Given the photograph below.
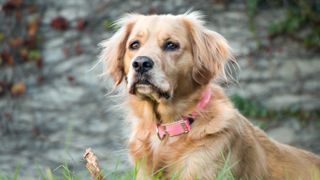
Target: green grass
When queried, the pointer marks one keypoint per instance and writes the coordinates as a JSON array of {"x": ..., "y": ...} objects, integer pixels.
[
  {"x": 11, "y": 177},
  {"x": 225, "y": 172},
  {"x": 254, "y": 109},
  {"x": 64, "y": 172}
]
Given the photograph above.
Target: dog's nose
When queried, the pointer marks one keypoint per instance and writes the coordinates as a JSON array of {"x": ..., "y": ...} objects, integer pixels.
[{"x": 142, "y": 64}]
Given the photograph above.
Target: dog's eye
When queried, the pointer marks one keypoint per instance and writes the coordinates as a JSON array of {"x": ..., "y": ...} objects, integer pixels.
[
  {"x": 134, "y": 45},
  {"x": 170, "y": 46}
]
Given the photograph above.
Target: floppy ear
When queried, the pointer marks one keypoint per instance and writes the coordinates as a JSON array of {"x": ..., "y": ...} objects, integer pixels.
[
  {"x": 210, "y": 50},
  {"x": 114, "y": 49}
]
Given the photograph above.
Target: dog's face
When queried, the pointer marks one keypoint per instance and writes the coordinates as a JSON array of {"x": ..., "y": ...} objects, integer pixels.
[{"x": 164, "y": 56}]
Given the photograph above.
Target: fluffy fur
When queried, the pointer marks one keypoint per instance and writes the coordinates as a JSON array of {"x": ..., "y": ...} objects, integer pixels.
[{"x": 182, "y": 74}]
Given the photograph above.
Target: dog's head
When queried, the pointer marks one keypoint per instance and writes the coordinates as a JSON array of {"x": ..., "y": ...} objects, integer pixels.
[{"x": 164, "y": 56}]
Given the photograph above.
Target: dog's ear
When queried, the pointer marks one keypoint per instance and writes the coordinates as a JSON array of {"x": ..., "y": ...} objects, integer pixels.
[
  {"x": 114, "y": 48},
  {"x": 210, "y": 50}
]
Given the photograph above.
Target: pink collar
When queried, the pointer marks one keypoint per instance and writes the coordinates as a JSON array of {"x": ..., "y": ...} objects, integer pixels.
[{"x": 183, "y": 125}]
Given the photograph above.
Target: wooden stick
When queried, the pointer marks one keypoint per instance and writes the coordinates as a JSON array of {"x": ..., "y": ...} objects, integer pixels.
[{"x": 92, "y": 165}]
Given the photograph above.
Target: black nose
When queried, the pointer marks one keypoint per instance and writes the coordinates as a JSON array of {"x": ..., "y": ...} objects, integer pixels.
[{"x": 142, "y": 64}]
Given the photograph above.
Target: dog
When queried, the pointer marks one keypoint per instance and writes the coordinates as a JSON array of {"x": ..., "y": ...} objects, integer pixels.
[{"x": 183, "y": 125}]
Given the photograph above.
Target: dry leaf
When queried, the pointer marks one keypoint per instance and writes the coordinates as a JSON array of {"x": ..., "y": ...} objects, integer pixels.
[
  {"x": 30, "y": 42},
  {"x": 59, "y": 23},
  {"x": 11, "y": 5},
  {"x": 92, "y": 164},
  {"x": 18, "y": 89},
  {"x": 16, "y": 3},
  {"x": 32, "y": 8},
  {"x": 33, "y": 27},
  {"x": 7, "y": 58},
  {"x": 15, "y": 42},
  {"x": 78, "y": 49},
  {"x": 18, "y": 14},
  {"x": 35, "y": 131},
  {"x": 71, "y": 78},
  {"x": 2, "y": 87},
  {"x": 24, "y": 54},
  {"x": 40, "y": 79},
  {"x": 66, "y": 51},
  {"x": 81, "y": 24},
  {"x": 39, "y": 63}
]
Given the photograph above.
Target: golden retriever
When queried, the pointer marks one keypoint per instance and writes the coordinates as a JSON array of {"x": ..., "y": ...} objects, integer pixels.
[{"x": 167, "y": 62}]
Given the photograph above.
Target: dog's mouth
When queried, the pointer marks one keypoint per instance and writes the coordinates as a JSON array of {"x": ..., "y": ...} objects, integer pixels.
[{"x": 144, "y": 86}]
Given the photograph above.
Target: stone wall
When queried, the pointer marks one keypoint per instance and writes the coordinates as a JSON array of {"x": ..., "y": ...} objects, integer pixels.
[{"x": 56, "y": 120}]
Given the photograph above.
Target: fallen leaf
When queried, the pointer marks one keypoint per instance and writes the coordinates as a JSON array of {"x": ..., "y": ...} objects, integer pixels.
[
  {"x": 40, "y": 79},
  {"x": 32, "y": 8},
  {"x": 2, "y": 88},
  {"x": 8, "y": 7},
  {"x": 33, "y": 27},
  {"x": 70, "y": 78},
  {"x": 11, "y": 5},
  {"x": 35, "y": 131},
  {"x": 39, "y": 63},
  {"x": 15, "y": 42},
  {"x": 81, "y": 24},
  {"x": 153, "y": 10},
  {"x": 18, "y": 14},
  {"x": 78, "y": 49},
  {"x": 59, "y": 23},
  {"x": 7, "y": 58},
  {"x": 16, "y": 3},
  {"x": 30, "y": 42},
  {"x": 66, "y": 51},
  {"x": 18, "y": 88},
  {"x": 24, "y": 54}
]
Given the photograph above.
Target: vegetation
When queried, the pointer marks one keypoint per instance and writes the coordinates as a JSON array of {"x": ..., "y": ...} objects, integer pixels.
[
  {"x": 66, "y": 173},
  {"x": 21, "y": 42},
  {"x": 302, "y": 20},
  {"x": 254, "y": 109},
  {"x": 62, "y": 172},
  {"x": 301, "y": 16}
]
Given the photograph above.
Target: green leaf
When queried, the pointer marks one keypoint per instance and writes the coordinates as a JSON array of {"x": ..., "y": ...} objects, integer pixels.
[{"x": 34, "y": 54}]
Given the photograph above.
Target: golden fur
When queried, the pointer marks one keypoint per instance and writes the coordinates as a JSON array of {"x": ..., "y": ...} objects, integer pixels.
[{"x": 220, "y": 130}]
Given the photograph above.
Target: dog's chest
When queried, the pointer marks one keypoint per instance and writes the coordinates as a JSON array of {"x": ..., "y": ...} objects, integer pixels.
[{"x": 145, "y": 144}]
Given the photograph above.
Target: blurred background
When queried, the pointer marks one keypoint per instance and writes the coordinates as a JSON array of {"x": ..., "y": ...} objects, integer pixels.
[{"x": 53, "y": 105}]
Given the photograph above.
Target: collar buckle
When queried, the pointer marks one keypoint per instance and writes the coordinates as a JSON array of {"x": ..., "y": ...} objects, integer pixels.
[
  {"x": 173, "y": 129},
  {"x": 184, "y": 126},
  {"x": 161, "y": 137}
]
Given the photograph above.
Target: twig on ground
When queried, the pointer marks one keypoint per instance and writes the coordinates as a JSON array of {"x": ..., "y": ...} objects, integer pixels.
[{"x": 92, "y": 165}]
